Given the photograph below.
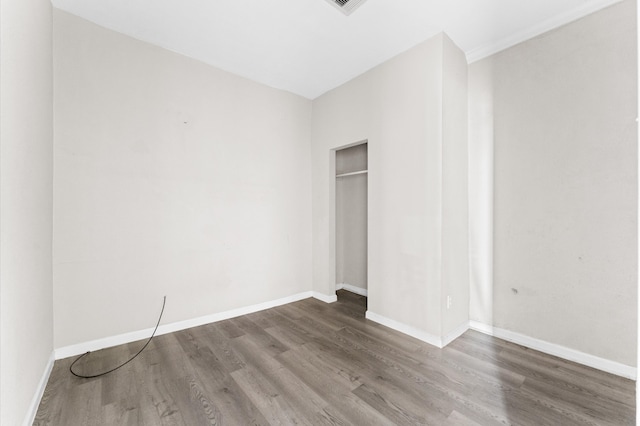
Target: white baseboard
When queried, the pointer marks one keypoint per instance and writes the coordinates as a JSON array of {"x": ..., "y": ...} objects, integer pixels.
[
  {"x": 406, "y": 329},
  {"x": 608, "y": 366},
  {"x": 37, "y": 397},
  {"x": 120, "y": 339},
  {"x": 560, "y": 351},
  {"x": 353, "y": 289},
  {"x": 431, "y": 339},
  {"x": 323, "y": 297},
  {"x": 455, "y": 333},
  {"x": 481, "y": 327}
]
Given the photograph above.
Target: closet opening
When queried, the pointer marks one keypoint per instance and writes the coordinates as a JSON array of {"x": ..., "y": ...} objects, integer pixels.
[{"x": 351, "y": 182}]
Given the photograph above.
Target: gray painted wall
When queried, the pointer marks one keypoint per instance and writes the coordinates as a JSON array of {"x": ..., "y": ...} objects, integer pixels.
[
  {"x": 398, "y": 108},
  {"x": 26, "y": 144},
  {"x": 172, "y": 178},
  {"x": 455, "y": 197},
  {"x": 560, "y": 111}
]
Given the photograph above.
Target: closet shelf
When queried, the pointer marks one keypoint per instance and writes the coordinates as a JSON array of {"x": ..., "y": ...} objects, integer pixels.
[{"x": 359, "y": 172}]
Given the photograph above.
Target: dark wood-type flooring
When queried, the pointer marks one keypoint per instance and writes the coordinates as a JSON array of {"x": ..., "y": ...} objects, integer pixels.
[{"x": 313, "y": 363}]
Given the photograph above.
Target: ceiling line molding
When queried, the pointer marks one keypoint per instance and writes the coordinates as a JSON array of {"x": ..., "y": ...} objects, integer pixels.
[{"x": 489, "y": 49}]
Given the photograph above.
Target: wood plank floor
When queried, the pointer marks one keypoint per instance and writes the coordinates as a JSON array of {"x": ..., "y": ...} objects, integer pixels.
[{"x": 312, "y": 363}]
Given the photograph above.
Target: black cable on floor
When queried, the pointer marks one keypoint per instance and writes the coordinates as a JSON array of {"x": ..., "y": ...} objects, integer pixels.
[{"x": 82, "y": 376}]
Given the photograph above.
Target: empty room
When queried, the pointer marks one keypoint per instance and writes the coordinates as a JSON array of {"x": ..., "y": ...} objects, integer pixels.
[{"x": 341, "y": 212}]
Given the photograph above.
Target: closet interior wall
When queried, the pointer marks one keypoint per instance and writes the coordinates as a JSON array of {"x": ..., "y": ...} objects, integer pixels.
[{"x": 351, "y": 218}]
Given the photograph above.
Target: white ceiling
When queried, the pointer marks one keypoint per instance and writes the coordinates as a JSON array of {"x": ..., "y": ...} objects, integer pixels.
[{"x": 308, "y": 46}]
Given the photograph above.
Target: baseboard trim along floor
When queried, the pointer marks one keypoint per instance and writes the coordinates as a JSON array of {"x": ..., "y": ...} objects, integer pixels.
[
  {"x": 529, "y": 342},
  {"x": 560, "y": 351},
  {"x": 37, "y": 397},
  {"x": 107, "y": 342},
  {"x": 353, "y": 289}
]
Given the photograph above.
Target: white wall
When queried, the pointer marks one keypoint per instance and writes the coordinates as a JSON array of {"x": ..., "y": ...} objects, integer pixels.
[
  {"x": 480, "y": 134},
  {"x": 455, "y": 197},
  {"x": 172, "y": 178},
  {"x": 563, "y": 109},
  {"x": 397, "y": 107},
  {"x": 26, "y": 330}
]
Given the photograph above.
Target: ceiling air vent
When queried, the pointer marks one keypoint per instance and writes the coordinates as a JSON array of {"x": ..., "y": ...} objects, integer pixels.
[{"x": 346, "y": 6}]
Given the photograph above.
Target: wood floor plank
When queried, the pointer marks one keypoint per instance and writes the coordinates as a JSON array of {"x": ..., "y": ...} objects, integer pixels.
[
  {"x": 390, "y": 408},
  {"x": 211, "y": 337},
  {"x": 175, "y": 390},
  {"x": 83, "y": 405},
  {"x": 122, "y": 413},
  {"x": 303, "y": 399},
  {"x": 264, "y": 319},
  {"x": 578, "y": 405},
  {"x": 491, "y": 374},
  {"x": 266, "y": 341},
  {"x": 229, "y": 328},
  {"x": 263, "y": 394},
  {"x": 334, "y": 390},
  {"x": 457, "y": 419},
  {"x": 313, "y": 363},
  {"x": 570, "y": 381},
  {"x": 287, "y": 336},
  {"x": 223, "y": 392},
  {"x": 345, "y": 373}
]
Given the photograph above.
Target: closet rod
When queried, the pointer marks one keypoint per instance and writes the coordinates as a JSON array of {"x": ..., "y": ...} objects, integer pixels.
[{"x": 359, "y": 172}]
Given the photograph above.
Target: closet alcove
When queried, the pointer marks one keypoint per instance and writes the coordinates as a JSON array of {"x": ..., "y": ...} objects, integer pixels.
[{"x": 351, "y": 218}]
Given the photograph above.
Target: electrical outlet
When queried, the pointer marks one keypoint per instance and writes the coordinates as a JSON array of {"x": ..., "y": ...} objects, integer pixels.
[{"x": 449, "y": 302}]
